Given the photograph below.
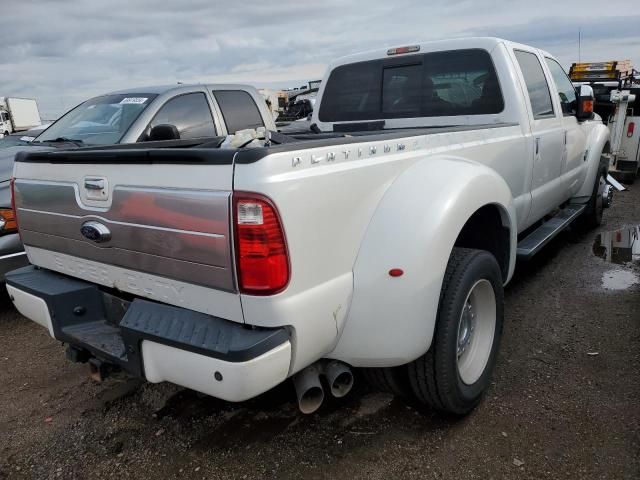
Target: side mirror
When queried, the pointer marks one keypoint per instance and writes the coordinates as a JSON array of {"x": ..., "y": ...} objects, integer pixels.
[
  {"x": 585, "y": 103},
  {"x": 163, "y": 131}
]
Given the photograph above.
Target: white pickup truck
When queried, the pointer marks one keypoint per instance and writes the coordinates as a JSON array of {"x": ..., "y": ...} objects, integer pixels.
[{"x": 382, "y": 239}]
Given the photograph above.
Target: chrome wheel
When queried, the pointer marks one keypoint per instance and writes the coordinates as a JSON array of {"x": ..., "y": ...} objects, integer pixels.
[{"x": 476, "y": 329}]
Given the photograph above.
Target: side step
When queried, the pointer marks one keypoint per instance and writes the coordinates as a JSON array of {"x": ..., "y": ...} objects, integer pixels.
[{"x": 532, "y": 243}]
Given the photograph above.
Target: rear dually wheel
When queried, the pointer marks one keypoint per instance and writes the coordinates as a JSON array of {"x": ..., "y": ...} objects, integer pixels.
[{"x": 456, "y": 371}]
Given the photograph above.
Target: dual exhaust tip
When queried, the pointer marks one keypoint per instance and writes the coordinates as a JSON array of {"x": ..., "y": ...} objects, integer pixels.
[{"x": 309, "y": 388}]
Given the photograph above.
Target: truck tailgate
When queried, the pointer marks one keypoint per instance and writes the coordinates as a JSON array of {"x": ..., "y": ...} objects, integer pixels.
[{"x": 161, "y": 212}]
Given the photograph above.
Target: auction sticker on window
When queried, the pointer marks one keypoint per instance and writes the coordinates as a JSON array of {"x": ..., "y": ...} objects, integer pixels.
[{"x": 134, "y": 100}]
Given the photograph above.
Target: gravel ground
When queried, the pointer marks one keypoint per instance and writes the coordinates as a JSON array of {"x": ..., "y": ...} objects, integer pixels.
[{"x": 564, "y": 403}]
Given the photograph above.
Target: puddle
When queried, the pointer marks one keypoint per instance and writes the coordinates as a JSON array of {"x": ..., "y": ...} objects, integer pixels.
[
  {"x": 621, "y": 247},
  {"x": 619, "y": 279}
]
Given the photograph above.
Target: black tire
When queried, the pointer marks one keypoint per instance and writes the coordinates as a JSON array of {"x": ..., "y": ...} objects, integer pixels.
[
  {"x": 390, "y": 380},
  {"x": 435, "y": 376},
  {"x": 592, "y": 215}
]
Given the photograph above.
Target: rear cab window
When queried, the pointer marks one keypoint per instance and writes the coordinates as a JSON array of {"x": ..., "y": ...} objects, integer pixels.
[
  {"x": 449, "y": 83},
  {"x": 536, "y": 82},
  {"x": 239, "y": 110}
]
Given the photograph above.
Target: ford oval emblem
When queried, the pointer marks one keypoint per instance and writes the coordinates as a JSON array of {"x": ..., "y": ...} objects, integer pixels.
[{"x": 95, "y": 231}]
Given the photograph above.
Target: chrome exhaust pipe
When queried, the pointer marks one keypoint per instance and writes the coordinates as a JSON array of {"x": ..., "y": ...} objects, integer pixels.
[
  {"x": 339, "y": 377},
  {"x": 309, "y": 389}
]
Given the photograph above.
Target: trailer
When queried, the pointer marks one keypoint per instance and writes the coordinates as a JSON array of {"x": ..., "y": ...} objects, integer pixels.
[{"x": 18, "y": 114}]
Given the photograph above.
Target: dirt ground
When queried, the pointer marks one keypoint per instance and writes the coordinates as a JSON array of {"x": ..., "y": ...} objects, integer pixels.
[{"x": 565, "y": 402}]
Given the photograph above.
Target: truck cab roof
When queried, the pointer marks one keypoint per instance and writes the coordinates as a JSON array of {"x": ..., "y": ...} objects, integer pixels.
[
  {"x": 183, "y": 88},
  {"x": 463, "y": 81},
  {"x": 485, "y": 43}
]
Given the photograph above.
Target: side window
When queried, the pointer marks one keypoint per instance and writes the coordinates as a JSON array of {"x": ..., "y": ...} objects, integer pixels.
[
  {"x": 566, "y": 92},
  {"x": 238, "y": 109},
  {"x": 190, "y": 114},
  {"x": 536, "y": 84},
  {"x": 461, "y": 82}
]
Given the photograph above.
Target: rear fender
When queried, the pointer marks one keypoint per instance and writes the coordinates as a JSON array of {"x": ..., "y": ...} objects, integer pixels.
[{"x": 391, "y": 319}]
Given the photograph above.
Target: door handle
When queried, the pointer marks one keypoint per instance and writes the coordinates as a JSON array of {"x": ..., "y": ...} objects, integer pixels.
[
  {"x": 94, "y": 184},
  {"x": 537, "y": 145}
]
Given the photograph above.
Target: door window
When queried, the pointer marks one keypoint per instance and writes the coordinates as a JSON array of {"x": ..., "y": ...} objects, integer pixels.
[
  {"x": 566, "y": 92},
  {"x": 238, "y": 109},
  {"x": 190, "y": 114},
  {"x": 536, "y": 82}
]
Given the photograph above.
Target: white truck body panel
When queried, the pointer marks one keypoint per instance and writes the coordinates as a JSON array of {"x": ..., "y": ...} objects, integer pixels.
[
  {"x": 352, "y": 208},
  {"x": 630, "y": 144}
]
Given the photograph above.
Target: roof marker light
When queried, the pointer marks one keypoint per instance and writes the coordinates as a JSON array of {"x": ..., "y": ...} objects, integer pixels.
[{"x": 401, "y": 50}]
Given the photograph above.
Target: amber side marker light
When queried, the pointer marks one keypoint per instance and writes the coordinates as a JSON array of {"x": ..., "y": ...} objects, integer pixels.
[{"x": 587, "y": 105}]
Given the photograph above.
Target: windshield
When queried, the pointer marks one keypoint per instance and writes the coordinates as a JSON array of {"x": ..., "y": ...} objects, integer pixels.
[
  {"x": 14, "y": 140},
  {"x": 100, "y": 121}
]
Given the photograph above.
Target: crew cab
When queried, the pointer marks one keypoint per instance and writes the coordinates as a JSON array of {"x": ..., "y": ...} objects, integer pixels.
[
  {"x": 380, "y": 239},
  {"x": 151, "y": 114}
]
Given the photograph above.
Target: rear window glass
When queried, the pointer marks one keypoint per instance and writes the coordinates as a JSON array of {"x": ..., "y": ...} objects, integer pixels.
[{"x": 459, "y": 82}]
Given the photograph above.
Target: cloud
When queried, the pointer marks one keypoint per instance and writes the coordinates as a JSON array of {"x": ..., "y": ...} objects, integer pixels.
[{"x": 64, "y": 51}]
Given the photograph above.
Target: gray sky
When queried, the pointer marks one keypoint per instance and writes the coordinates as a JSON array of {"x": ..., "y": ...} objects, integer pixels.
[{"x": 65, "y": 51}]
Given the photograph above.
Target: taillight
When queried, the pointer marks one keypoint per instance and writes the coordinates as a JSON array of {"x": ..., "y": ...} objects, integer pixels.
[
  {"x": 262, "y": 260},
  {"x": 630, "y": 128},
  {"x": 8, "y": 222},
  {"x": 8, "y": 217}
]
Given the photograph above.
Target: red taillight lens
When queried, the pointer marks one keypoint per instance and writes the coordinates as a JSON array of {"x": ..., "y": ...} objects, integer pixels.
[
  {"x": 630, "y": 128},
  {"x": 262, "y": 260},
  {"x": 10, "y": 216}
]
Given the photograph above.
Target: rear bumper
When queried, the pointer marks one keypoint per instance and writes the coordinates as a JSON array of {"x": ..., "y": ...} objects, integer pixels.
[
  {"x": 153, "y": 340},
  {"x": 12, "y": 254},
  {"x": 11, "y": 262}
]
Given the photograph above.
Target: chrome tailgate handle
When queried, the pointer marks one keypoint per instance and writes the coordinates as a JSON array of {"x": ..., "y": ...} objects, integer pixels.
[{"x": 94, "y": 184}]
